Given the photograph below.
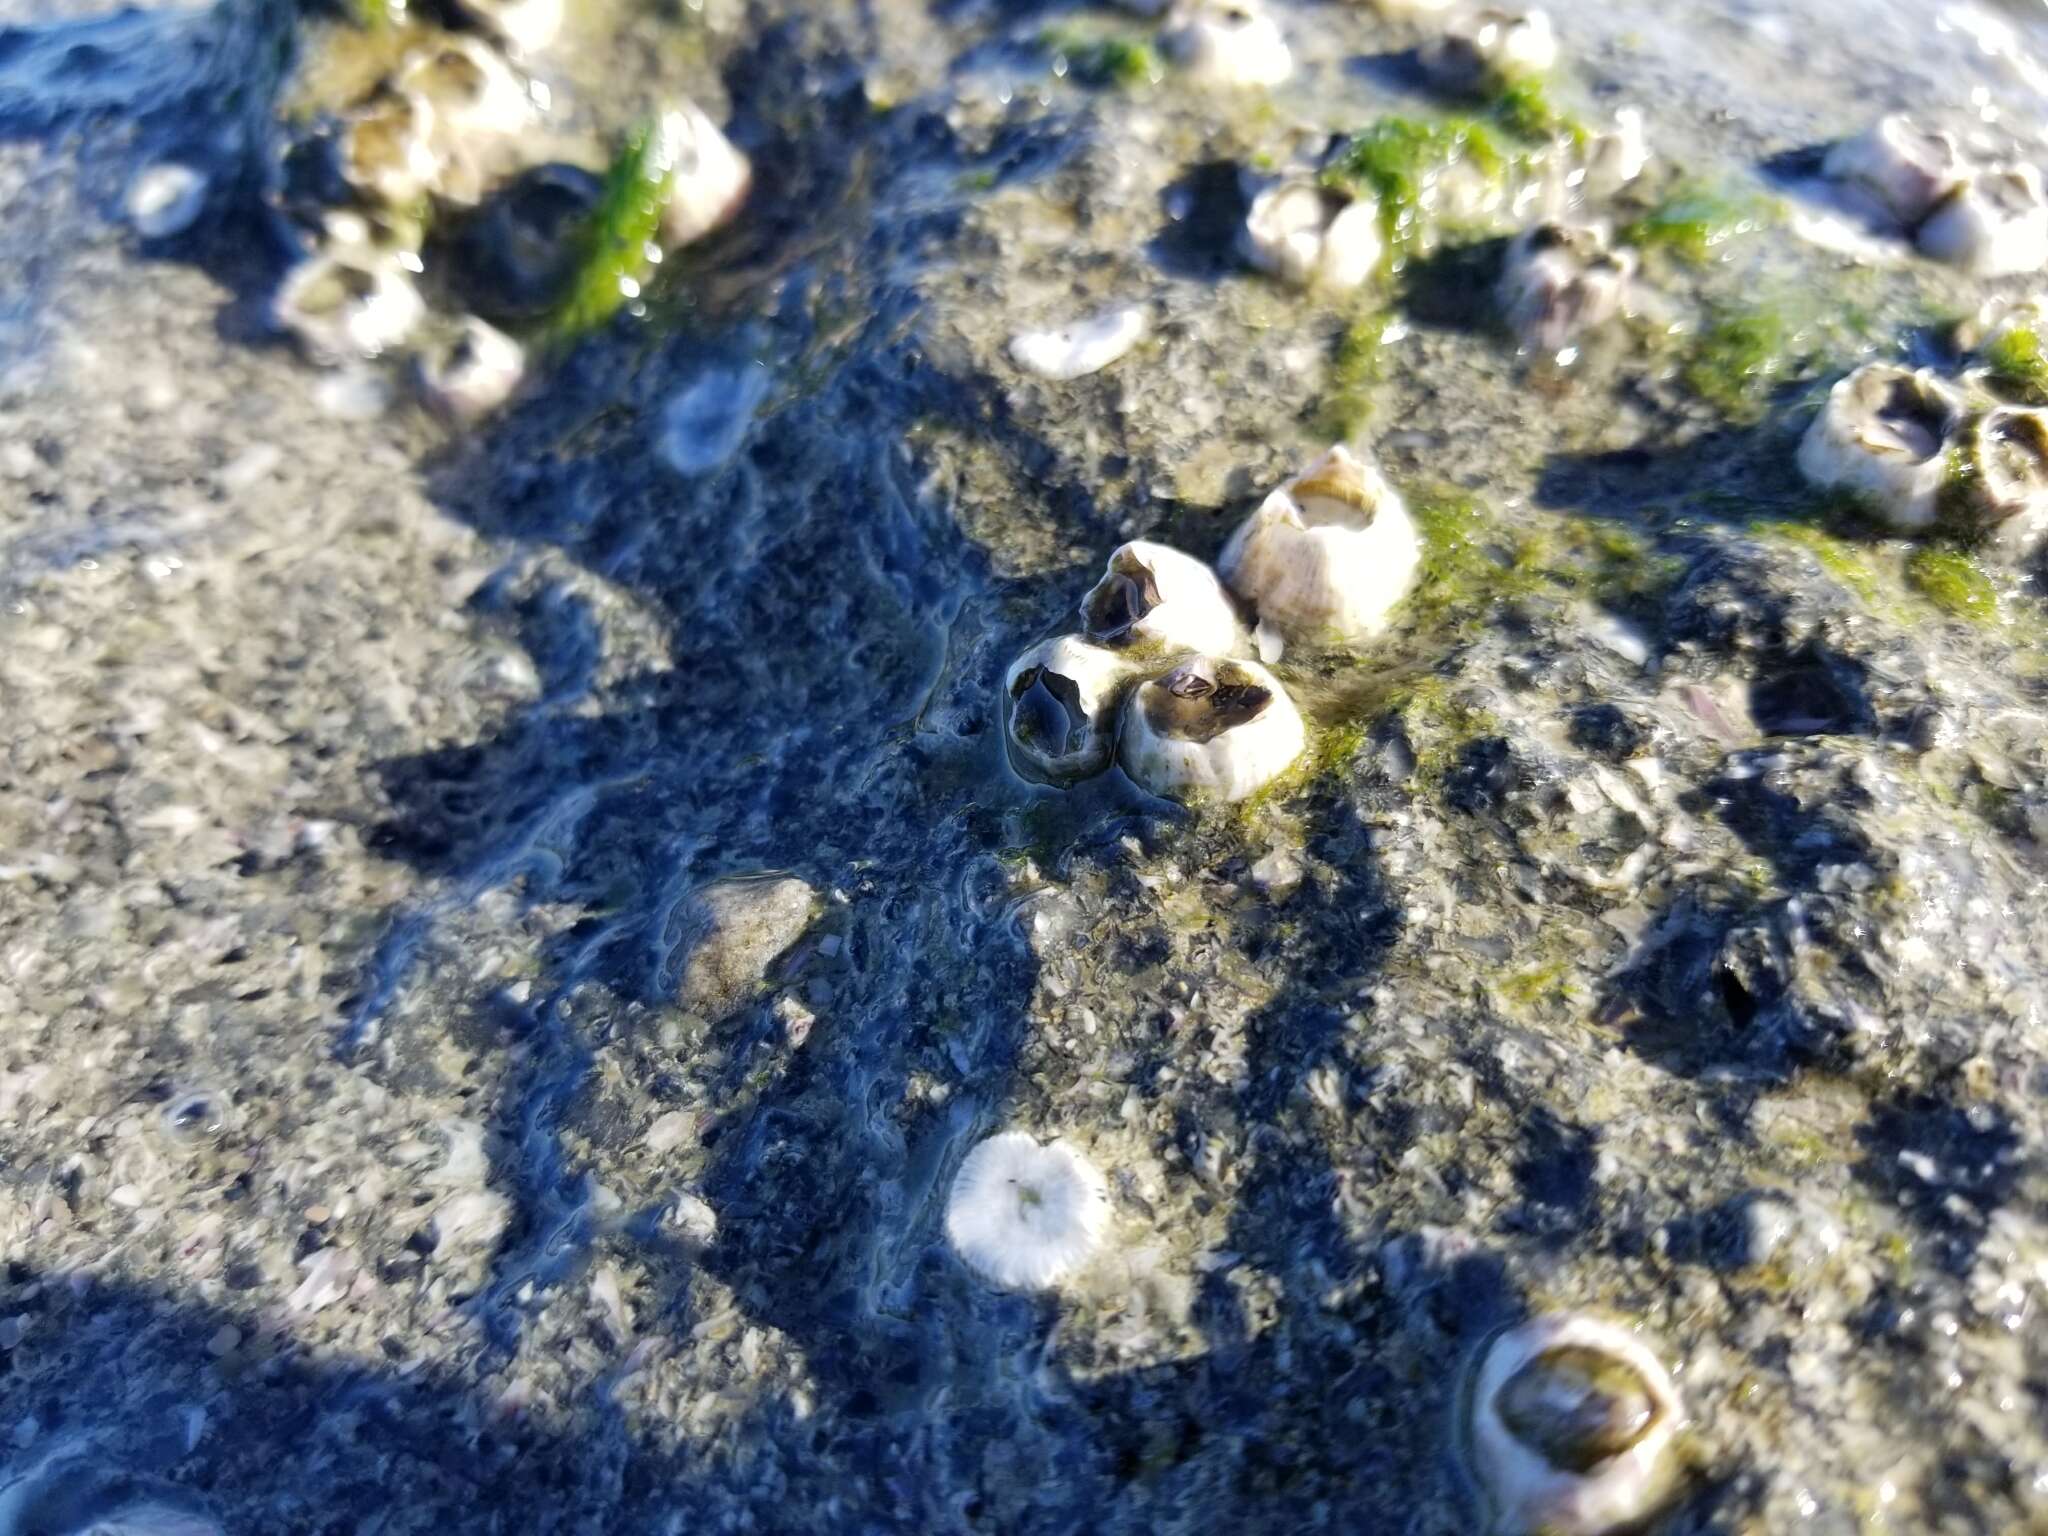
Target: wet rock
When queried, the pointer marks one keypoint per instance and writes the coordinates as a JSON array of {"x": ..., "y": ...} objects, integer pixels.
[{"x": 732, "y": 932}]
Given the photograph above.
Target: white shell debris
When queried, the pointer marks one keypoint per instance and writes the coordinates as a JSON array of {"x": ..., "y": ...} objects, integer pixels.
[
  {"x": 472, "y": 372},
  {"x": 1228, "y": 42},
  {"x": 165, "y": 199},
  {"x": 1905, "y": 167},
  {"x": 1211, "y": 729},
  {"x": 348, "y": 303},
  {"x": 1576, "y": 1387},
  {"x": 1882, "y": 434},
  {"x": 1298, "y": 231},
  {"x": 387, "y": 150},
  {"x": 1154, "y": 599},
  {"x": 1025, "y": 1216},
  {"x": 1994, "y": 225},
  {"x": 1558, "y": 281},
  {"x": 1085, "y": 347},
  {"x": 1327, "y": 556},
  {"x": 2000, "y": 464},
  {"x": 1060, "y": 700},
  {"x": 524, "y": 26},
  {"x": 710, "y": 177}
]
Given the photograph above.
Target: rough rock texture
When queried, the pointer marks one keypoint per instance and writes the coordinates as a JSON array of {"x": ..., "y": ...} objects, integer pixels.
[
  {"x": 1659, "y": 926},
  {"x": 733, "y": 931}
]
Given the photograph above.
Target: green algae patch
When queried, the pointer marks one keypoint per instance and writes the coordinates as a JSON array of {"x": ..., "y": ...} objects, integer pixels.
[
  {"x": 1465, "y": 564},
  {"x": 1395, "y": 159},
  {"x": 1848, "y": 562},
  {"x": 1695, "y": 222},
  {"x": 372, "y": 15},
  {"x": 1742, "y": 353},
  {"x": 2018, "y": 366},
  {"x": 626, "y": 222},
  {"x": 1101, "y": 61},
  {"x": 1954, "y": 582},
  {"x": 1524, "y": 108},
  {"x": 1358, "y": 366}
]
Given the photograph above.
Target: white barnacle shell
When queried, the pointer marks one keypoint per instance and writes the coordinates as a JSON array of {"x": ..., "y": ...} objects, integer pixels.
[
  {"x": 1996, "y": 474},
  {"x": 1617, "y": 155},
  {"x": 387, "y": 150},
  {"x": 1490, "y": 46},
  {"x": 472, "y": 371},
  {"x": 1568, "y": 1425},
  {"x": 1559, "y": 280},
  {"x": 1882, "y": 434},
  {"x": 1306, "y": 234},
  {"x": 479, "y": 106},
  {"x": 709, "y": 176},
  {"x": 1327, "y": 555},
  {"x": 1994, "y": 225},
  {"x": 524, "y": 26},
  {"x": 1025, "y": 1216},
  {"x": 347, "y": 303},
  {"x": 1068, "y": 352},
  {"x": 1228, "y": 42},
  {"x": 1906, "y": 167},
  {"x": 1211, "y": 729},
  {"x": 1060, "y": 700},
  {"x": 1154, "y": 599}
]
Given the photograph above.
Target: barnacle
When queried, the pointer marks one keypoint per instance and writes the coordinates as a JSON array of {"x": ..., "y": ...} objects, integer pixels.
[
  {"x": 478, "y": 106},
  {"x": 1025, "y": 1216},
  {"x": 1996, "y": 474},
  {"x": 348, "y": 303},
  {"x": 1906, "y": 167},
  {"x": 1060, "y": 700},
  {"x": 1210, "y": 729},
  {"x": 1568, "y": 1422},
  {"x": 525, "y": 26},
  {"x": 386, "y": 149},
  {"x": 1882, "y": 434},
  {"x": 472, "y": 371},
  {"x": 1560, "y": 280},
  {"x": 1308, "y": 234},
  {"x": 1327, "y": 555},
  {"x": 1228, "y": 42},
  {"x": 1154, "y": 599},
  {"x": 1995, "y": 224},
  {"x": 1489, "y": 48},
  {"x": 1067, "y": 352},
  {"x": 708, "y": 177}
]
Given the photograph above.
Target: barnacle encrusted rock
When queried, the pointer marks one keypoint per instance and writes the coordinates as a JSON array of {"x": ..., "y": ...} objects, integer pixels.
[{"x": 732, "y": 931}]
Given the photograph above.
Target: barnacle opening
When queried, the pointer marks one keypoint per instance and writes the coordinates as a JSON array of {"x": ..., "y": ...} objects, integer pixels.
[
  {"x": 1192, "y": 705},
  {"x": 1908, "y": 416},
  {"x": 1046, "y": 712},
  {"x": 1122, "y": 599},
  {"x": 1577, "y": 1406}
]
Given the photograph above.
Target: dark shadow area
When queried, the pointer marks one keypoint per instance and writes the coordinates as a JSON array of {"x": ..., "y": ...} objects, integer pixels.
[
  {"x": 1205, "y": 211},
  {"x": 1949, "y": 1167}
]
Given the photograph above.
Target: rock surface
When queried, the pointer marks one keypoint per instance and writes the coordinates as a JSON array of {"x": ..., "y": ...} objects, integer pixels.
[{"x": 733, "y": 930}]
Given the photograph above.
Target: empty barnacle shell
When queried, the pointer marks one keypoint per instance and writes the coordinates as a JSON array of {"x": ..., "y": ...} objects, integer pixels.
[
  {"x": 1153, "y": 599},
  {"x": 1060, "y": 700},
  {"x": 1994, "y": 225},
  {"x": 1300, "y": 231},
  {"x": 1210, "y": 729},
  {"x": 1488, "y": 47},
  {"x": 1560, "y": 280},
  {"x": 1568, "y": 1424},
  {"x": 471, "y": 371},
  {"x": 347, "y": 303},
  {"x": 1905, "y": 167},
  {"x": 1881, "y": 434},
  {"x": 1026, "y": 1216},
  {"x": 709, "y": 177},
  {"x": 524, "y": 26},
  {"x": 386, "y": 149},
  {"x": 1326, "y": 556},
  {"x": 1228, "y": 42},
  {"x": 479, "y": 105},
  {"x": 1996, "y": 479}
]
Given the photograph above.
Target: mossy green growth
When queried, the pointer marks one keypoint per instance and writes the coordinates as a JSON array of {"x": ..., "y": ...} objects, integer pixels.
[
  {"x": 1357, "y": 368},
  {"x": 1098, "y": 60},
  {"x": 1953, "y": 582},
  {"x": 2018, "y": 366},
  {"x": 1846, "y": 561},
  {"x": 1523, "y": 108},
  {"x": 1694, "y": 222},
  {"x": 626, "y": 221},
  {"x": 1395, "y": 158},
  {"x": 372, "y": 15},
  {"x": 1741, "y": 354}
]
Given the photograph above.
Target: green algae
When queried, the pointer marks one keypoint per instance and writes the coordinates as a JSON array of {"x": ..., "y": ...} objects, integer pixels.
[
  {"x": 1097, "y": 60},
  {"x": 1742, "y": 353},
  {"x": 618, "y": 234},
  {"x": 1358, "y": 367},
  {"x": 1394, "y": 159},
  {"x": 1696, "y": 222},
  {"x": 2017, "y": 365},
  {"x": 1523, "y": 107},
  {"x": 1954, "y": 582},
  {"x": 1848, "y": 562}
]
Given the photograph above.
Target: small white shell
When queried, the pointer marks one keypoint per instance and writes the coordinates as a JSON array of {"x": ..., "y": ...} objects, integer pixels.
[
  {"x": 387, "y": 149},
  {"x": 1153, "y": 599},
  {"x": 1025, "y": 1216},
  {"x": 1085, "y": 347},
  {"x": 1298, "y": 231},
  {"x": 165, "y": 199},
  {"x": 524, "y": 26},
  {"x": 1490, "y": 46},
  {"x": 2000, "y": 464},
  {"x": 473, "y": 372},
  {"x": 1327, "y": 555},
  {"x": 348, "y": 303},
  {"x": 1905, "y": 167},
  {"x": 1882, "y": 433},
  {"x": 710, "y": 176},
  {"x": 1616, "y": 156},
  {"x": 1228, "y": 42},
  {"x": 1993, "y": 225},
  {"x": 1536, "y": 1372},
  {"x": 1210, "y": 729},
  {"x": 1060, "y": 700},
  {"x": 1558, "y": 281}
]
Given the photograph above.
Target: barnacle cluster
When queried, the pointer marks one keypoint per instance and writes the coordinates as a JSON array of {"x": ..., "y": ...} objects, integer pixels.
[
  {"x": 1988, "y": 217},
  {"x": 1920, "y": 452},
  {"x": 426, "y": 183},
  {"x": 1161, "y": 679}
]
